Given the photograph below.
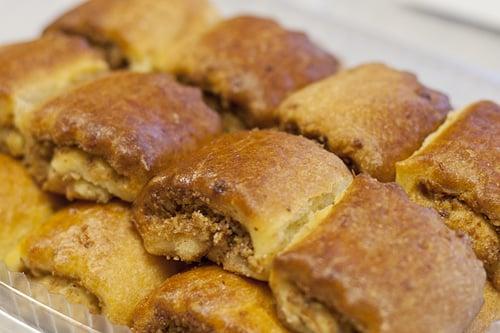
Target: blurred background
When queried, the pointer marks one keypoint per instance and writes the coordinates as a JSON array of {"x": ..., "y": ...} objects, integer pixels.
[{"x": 451, "y": 44}]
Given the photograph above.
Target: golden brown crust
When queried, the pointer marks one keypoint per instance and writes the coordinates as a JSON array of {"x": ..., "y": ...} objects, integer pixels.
[
  {"x": 385, "y": 264},
  {"x": 23, "y": 206},
  {"x": 372, "y": 116},
  {"x": 269, "y": 183},
  {"x": 134, "y": 122},
  {"x": 144, "y": 33},
  {"x": 97, "y": 247},
  {"x": 456, "y": 172},
  {"x": 462, "y": 159},
  {"x": 253, "y": 64},
  {"x": 208, "y": 299},
  {"x": 32, "y": 72}
]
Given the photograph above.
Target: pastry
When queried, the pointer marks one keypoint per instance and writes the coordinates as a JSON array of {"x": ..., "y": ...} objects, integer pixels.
[
  {"x": 141, "y": 34},
  {"x": 32, "y": 72},
  {"x": 96, "y": 247},
  {"x": 239, "y": 199},
  {"x": 208, "y": 299},
  {"x": 490, "y": 311},
  {"x": 378, "y": 263},
  {"x": 250, "y": 64},
  {"x": 106, "y": 138},
  {"x": 371, "y": 116},
  {"x": 72, "y": 292},
  {"x": 457, "y": 172},
  {"x": 23, "y": 206}
]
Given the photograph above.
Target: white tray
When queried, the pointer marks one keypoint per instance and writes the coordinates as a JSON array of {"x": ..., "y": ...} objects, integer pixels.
[{"x": 464, "y": 83}]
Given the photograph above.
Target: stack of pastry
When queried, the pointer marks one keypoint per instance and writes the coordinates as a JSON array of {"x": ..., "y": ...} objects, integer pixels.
[{"x": 182, "y": 172}]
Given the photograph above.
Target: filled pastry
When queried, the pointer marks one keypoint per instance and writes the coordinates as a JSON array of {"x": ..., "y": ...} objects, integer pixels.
[
  {"x": 457, "y": 172},
  {"x": 208, "y": 299},
  {"x": 106, "y": 138},
  {"x": 141, "y": 34},
  {"x": 72, "y": 291},
  {"x": 32, "y": 72},
  {"x": 378, "y": 263},
  {"x": 23, "y": 206},
  {"x": 250, "y": 64},
  {"x": 490, "y": 311},
  {"x": 371, "y": 116},
  {"x": 239, "y": 199},
  {"x": 96, "y": 247}
]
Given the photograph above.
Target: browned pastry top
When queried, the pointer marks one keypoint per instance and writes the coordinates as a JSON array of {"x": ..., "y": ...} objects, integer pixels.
[
  {"x": 21, "y": 61},
  {"x": 147, "y": 33},
  {"x": 208, "y": 299},
  {"x": 136, "y": 122},
  {"x": 28, "y": 63},
  {"x": 386, "y": 264},
  {"x": 371, "y": 115},
  {"x": 254, "y": 63},
  {"x": 264, "y": 180},
  {"x": 463, "y": 159},
  {"x": 97, "y": 247}
]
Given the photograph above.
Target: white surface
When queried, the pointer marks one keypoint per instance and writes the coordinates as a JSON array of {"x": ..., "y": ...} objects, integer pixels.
[
  {"x": 482, "y": 12},
  {"x": 391, "y": 19}
]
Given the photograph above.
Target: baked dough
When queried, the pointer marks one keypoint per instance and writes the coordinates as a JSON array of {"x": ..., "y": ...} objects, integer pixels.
[
  {"x": 72, "y": 292},
  {"x": 97, "y": 247},
  {"x": 371, "y": 116},
  {"x": 32, "y": 72},
  {"x": 142, "y": 34},
  {"x": 457, "y": 172},
  {"x": 490, "y": 311},
  {"x": 239, "y": 199},
  {"x": 208, "y": 299},
  {"x": 251, "y": 64},
  {"x": 23, "y": 206},
  {"x": 378, "y": 263},
  {"x": 106, "y": 138}
]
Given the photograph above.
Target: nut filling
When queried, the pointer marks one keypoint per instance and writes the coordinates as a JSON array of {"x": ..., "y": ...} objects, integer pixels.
[
  {"x": 301, "y": 310},
  {"x": 189, "y": 231},
  {"x": 461, "y": 217},
  {"x": 78, "y": 175}
]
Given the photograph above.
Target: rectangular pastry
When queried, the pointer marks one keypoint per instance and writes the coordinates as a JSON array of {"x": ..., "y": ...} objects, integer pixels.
[
  {"x": 239, "y": 200},
  {"x": 35, "y": 71},
  {"x": 106, "y": 138},
  {"x": 378, "y": 263},
  {"x": 250, "y": 64},
  {"x": 457, "y": 172},
  {"x": 141, "y": 34},
  {"x": 97, "y": 247},
  {"x": 208, "y": 299},
  {"x": 23, "y": 206},
  {"x": 371, "y": 116}
]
